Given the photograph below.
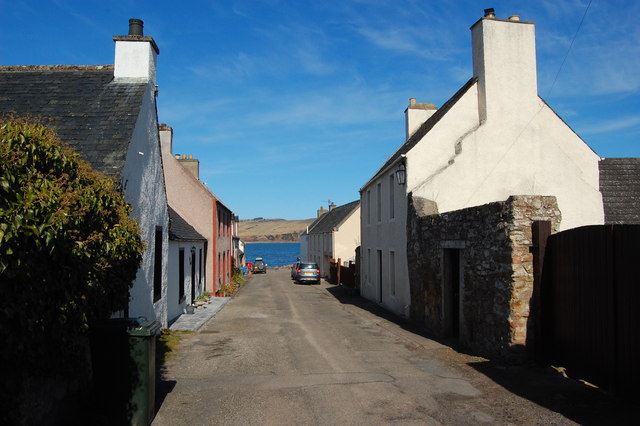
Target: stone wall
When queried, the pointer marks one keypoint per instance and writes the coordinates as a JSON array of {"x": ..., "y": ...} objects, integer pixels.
[{"x": 496, "y": 269}]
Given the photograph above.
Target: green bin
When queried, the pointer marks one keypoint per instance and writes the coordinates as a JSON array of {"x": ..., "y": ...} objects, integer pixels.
[{"x": 123, "y": 355}]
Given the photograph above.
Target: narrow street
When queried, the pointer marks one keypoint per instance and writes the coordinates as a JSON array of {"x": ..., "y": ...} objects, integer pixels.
[{"x": 282, "y": 353}]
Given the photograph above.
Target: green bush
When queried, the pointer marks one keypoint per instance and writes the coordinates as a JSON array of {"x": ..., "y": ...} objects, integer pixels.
[{"x": 69, "y": 250}]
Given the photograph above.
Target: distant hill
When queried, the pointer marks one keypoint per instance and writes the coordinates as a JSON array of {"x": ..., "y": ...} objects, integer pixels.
[{"x": 272, "y": 230}]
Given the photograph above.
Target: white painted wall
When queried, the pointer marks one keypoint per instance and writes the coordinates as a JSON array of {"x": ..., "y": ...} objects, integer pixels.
[
  {"x": 386, "y": 235},
  {"x": 175, "y": 306},
  {"x": 347, "y": 237},
  {"x": 320, "y": 251},
  {"x": 135, "y": 59},
  {"x": 304, "y": 247},
  {"x": 143, "y": 183}
]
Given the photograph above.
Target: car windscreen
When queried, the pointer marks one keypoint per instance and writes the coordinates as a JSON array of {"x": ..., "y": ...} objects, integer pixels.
[{"x": 308, "y": 266}]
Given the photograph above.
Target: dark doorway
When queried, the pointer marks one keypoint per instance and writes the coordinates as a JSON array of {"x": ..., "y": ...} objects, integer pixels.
[
  {"x": 380, "y": 276},
  {"x": 180, "y": 275},
  {"x": 451, "y": 292},
  {"x": 193, "y": 275}
]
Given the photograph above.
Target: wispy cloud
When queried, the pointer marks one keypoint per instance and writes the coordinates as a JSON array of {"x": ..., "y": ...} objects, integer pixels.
[
  {"x": 604, "y": 58},
  {"x": 613, "y": 125}
]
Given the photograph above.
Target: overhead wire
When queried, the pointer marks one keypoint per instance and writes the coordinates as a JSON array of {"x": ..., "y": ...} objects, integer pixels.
[
  {"x": 569, "y": 49},
  {"x": 575, "y": 35}
]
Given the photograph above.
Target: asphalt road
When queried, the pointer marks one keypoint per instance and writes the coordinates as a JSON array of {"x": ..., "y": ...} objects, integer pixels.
[{"x": 283, "y": 354}]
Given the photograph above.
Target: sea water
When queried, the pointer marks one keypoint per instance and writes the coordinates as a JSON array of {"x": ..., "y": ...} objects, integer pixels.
[{"x": 274, "y": 254}]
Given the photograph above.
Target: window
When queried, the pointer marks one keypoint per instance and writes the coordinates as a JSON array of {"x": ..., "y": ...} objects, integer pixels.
[
  {"x": 392, "y": 207},
  {"x": 392, "y": 272},
  {"x": 379, "y": 201},
  {"x": 181, "y": 275},
  {"x": 157, "y": 265}
]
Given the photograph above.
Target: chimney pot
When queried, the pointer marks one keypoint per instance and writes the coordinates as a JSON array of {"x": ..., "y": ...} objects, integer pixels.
[
  {"x": 184, "y": 156},
  {"x": 177, "y": 156},
  {"x": 136, "y": 27},
  {"x": 490, "y": 13},
  {"x": 412, "y": 101},
  {"x": 514, "y": 17},
  {"x": 190, "y": 156}
]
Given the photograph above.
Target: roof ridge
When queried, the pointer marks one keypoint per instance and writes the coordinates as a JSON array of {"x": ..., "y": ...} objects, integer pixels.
[
  {"x": 9, "y": 68},
  {"x": 332, "y": 218},
  {"x": 424, "y": 128}
]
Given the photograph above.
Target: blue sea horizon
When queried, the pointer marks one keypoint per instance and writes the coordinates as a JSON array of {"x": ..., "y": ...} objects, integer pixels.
[{"x": 274, "y": 254}]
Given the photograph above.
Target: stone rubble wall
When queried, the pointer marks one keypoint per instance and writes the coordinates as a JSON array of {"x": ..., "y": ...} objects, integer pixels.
[{"x": 496, "y": 268}]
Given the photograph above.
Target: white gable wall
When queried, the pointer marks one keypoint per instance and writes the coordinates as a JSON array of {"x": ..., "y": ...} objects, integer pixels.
[
  {"x": 347, "y": 237},
  {"x": 539, "y": 156},
  {"x": 143, "y": 180}
]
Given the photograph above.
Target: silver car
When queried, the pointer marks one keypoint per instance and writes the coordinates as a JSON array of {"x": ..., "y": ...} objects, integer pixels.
[
  {"x": 307, "y": 272},
  {"x": 259, "y": 267},
  {"x": 294, "y": 269}
]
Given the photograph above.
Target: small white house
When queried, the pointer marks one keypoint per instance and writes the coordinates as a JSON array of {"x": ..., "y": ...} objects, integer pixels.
[
  {"x": 333, "y": 236},
  {"x": 495, "y": 137},
  {"x": 187, "y": 258}
]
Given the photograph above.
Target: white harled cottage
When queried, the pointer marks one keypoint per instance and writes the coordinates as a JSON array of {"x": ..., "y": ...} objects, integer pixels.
[
  {"x": 493, "y": 138},
  {"x": 108, "y": 115}
]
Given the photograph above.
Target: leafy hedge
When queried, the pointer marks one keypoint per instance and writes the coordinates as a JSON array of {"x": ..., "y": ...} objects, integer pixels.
[{"x": 69, "y": 250}]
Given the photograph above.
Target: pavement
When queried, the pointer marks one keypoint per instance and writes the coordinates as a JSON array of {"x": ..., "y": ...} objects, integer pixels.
[{"x": 193, "y": 322}]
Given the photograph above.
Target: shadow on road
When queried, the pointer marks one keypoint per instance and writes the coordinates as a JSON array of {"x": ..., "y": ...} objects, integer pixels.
[
  {"x": 548, "y": 388},
  {"x": 544, "y": 386},
  {"x": 163, "y": 386}
]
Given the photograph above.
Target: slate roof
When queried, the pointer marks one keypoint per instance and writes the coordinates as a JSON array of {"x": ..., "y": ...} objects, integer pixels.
[
  {"x": 620, "y": 188},
  {"x": 424, "y": 128},
  {"x": 180, "y": 230},
  {"x": 333, "y": 218},
  {"x": 90, "y": 111}
]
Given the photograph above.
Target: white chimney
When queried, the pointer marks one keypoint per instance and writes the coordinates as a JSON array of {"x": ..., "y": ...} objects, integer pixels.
[
  {"x": 504, "y": 60},
  {"x": 166, "y": 138},
  {"x": 415, "y": 115},
  {"x": 136, "y": 54}
]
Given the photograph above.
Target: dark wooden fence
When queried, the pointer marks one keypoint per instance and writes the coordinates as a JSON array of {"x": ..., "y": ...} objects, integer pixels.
[
  {"x": 589, "y": 305},
  {"x": 340, "y": 274}
]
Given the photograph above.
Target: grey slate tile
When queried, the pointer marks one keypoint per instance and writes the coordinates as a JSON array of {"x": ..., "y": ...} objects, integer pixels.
[{"x": 92, "y": 113}]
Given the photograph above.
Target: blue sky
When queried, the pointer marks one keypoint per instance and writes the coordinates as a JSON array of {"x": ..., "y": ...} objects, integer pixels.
[{"x": 288, "y": 104}]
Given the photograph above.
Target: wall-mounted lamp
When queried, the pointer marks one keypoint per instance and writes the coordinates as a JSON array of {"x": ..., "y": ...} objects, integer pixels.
[{"x": 401, "y": 174}]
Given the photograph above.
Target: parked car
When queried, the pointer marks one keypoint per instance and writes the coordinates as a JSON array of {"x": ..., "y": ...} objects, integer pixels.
[
  {"x": 294, "y": 269},
  {"x": 307, "y": 272},
  {"x": 259, "y": 267}
]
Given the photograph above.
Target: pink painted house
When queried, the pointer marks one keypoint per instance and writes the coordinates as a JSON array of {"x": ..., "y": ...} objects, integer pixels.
[{"x": 196, "y": 204}]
